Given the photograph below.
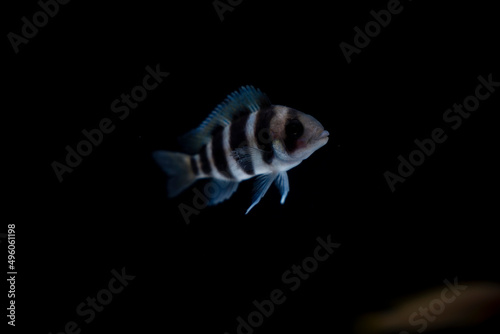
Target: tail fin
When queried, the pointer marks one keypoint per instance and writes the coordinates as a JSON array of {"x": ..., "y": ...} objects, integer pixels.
[{"x": 178, "y": 168}]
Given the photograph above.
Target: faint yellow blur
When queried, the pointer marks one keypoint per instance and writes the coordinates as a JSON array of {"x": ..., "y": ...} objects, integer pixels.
[{"x": 453, "y": 305}]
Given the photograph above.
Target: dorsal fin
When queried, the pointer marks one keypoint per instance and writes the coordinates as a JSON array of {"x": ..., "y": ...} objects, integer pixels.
[{"x": 247, "y": 99}]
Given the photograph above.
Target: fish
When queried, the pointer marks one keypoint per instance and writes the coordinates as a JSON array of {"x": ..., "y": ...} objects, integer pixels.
[{"x": 244, "y": 137}]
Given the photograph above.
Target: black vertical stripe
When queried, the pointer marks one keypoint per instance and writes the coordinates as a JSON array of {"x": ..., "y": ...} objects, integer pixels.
[
  {"x": 263, "y": 133},
  {"x": 194, "y": 166},
  {"x": 218, "y": 153},
  {"x": 294, "y": 123},
  {"x": 238, "y": 142},
  {"x": 205, "y": 163}
]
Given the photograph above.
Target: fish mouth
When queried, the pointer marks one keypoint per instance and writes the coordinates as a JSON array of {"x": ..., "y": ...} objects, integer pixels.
[
  {"x": 323, "y": 134},
  {"x": 320, "y": 139}
]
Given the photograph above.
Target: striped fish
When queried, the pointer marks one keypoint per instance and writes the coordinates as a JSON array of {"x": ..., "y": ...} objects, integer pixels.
[{"x": 244, "y": 137}]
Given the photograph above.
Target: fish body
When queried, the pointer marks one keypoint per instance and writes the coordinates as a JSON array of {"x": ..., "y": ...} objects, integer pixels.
[{"x": 244, "y": 137}]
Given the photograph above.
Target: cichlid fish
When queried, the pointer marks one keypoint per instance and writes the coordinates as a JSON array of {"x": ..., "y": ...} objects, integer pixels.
[{"x": 245, "y": 136}]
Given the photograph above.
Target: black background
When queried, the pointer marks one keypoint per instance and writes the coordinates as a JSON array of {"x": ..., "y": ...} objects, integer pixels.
[{"x": 112, "y": 212}]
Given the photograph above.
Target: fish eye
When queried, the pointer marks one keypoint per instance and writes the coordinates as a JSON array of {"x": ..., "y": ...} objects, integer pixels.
[{"x": 294, "y": 129}]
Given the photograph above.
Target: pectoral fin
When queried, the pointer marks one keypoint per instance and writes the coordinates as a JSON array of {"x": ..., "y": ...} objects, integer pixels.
[
  {"x": 261, "y": 185},
  {"x": 246, "y": 157}
]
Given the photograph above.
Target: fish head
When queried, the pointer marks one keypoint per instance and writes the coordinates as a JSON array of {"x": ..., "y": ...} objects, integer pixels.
[{"x": 296, "y": 135}]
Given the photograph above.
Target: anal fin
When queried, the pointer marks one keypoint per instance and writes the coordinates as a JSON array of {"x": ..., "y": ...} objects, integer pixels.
[{"x": 222, "y": 190}]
